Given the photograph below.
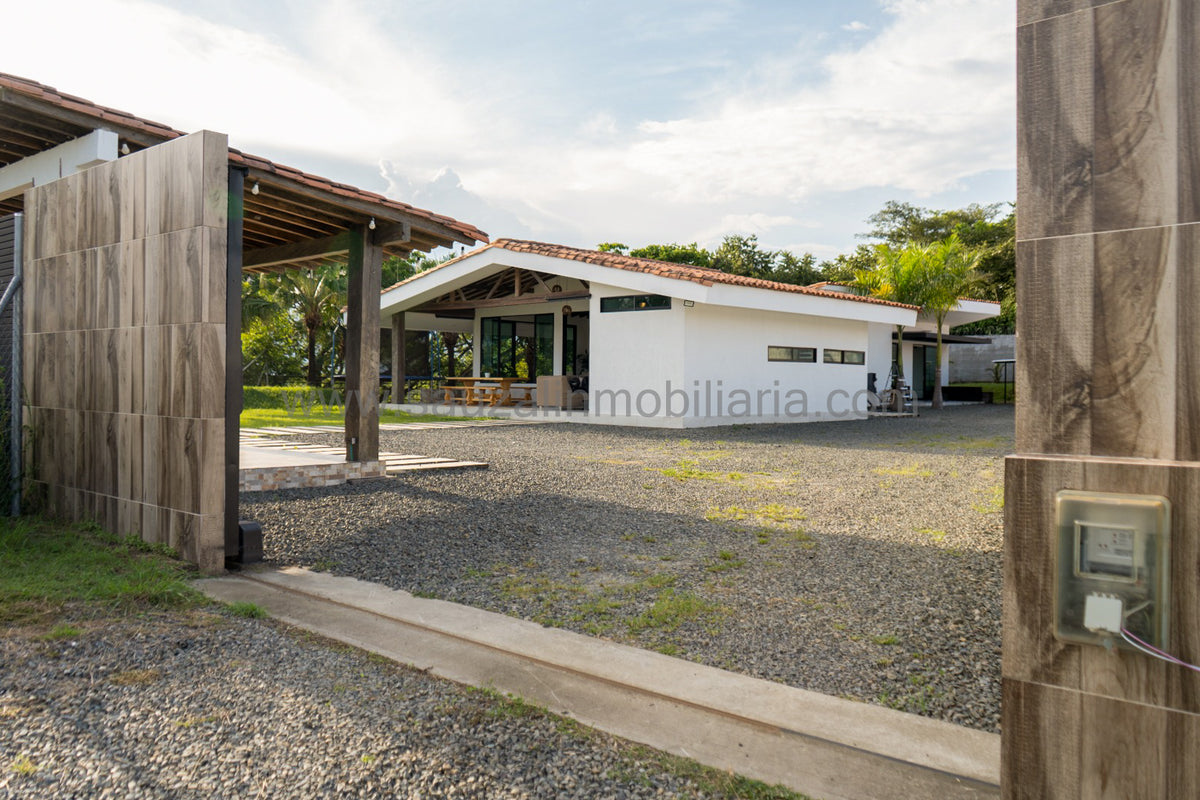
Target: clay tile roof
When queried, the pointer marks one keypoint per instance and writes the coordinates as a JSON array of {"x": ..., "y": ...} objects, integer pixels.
[
  {"x": 665, "y": 269},
  {"x": 156, "y": 130}
]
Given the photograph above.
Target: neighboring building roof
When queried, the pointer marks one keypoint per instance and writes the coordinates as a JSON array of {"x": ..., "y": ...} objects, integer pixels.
[
  {"x": 665, "y": 269},
  {"x": 49, "y": 117}
]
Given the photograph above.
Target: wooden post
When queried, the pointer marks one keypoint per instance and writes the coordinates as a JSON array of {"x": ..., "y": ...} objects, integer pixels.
[
  {"x": 1107, "y": 370},
  {"x": 362, "y": 347},
  {"x": 398, "y": 357}
]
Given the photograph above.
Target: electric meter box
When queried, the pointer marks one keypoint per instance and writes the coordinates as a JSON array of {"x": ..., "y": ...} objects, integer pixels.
[{"x": 1113, "y": 553}]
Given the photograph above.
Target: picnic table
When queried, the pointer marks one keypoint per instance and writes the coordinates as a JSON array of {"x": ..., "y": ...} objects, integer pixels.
[{"x": 478, "y": 391}]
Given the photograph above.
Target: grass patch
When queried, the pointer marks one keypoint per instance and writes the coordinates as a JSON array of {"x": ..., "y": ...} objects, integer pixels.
[
  {"x": 991, "y": 500},
  {"x": 47, "y": 566},
  {"x": 283, "y": 406},
  {"x": 725, "y": 561},
  {"x": 769, "y": 512},
  {"x": 61, "y": 631},
  {"x": 247, "y": 610},
  {"x": 283, "y": 417},
  {"x": 686, "y": 470},
  {"x": 670, "y": 610},
  {"x": 935, "y": 535},
  {"x": 23, "y": 765},
  {"x": 889, "y": 639}
]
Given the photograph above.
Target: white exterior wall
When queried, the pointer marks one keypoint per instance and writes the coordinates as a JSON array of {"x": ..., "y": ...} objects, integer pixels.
[
  {"x": 707, "y": 365},
  {"x": 729, "y": 377},
  {"x": 632, "y": 355},
  {"x": 879, "y": 352}
]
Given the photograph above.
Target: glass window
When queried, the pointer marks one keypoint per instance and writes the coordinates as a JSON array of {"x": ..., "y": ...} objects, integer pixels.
[
  {"x": 635, "y": 302},
  {"x": 856, "y": 357},
  {"x": 804, "y": 355}
]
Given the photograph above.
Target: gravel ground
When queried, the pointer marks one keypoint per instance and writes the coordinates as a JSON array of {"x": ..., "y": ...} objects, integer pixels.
[
  {"x": 858, "y": 559},
  {"x": 201, "y": 705}
]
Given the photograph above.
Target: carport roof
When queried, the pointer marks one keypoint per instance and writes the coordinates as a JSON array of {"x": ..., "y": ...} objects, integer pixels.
[{"x": 291, "y": 205}]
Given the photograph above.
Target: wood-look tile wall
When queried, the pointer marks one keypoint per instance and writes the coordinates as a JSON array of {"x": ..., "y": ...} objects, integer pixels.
[
  {"x": 125, "y": 344},
  {"x": 1108, "y": 381}
]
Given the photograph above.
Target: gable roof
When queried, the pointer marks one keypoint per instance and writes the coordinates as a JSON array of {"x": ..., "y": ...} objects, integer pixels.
[
  {"x": 664, "y": 269},
  {"x": 44, "y": 117}
]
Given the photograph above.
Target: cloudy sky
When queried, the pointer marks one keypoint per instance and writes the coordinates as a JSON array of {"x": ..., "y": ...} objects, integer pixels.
[{"x": 574, "y": 121}]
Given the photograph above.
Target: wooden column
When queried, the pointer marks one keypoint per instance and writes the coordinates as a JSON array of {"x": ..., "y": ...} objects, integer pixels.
[
  {"x": 1108, "y": 381},
  {"x": 398, "y": 357},
  {"x": 362, "y": 347}
]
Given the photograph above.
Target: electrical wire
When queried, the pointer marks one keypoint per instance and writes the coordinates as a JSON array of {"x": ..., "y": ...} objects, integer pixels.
[{"x": 1151, "y": 650}]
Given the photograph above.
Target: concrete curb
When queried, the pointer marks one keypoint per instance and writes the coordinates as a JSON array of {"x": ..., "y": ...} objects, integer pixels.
[{"x": 813, "y": 743}]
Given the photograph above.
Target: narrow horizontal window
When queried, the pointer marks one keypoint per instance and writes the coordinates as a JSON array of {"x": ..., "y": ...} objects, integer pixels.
[
  {"x": 805, "y": 355},
  {"x": 635, "y": 302},
  {"x": 845, "y": 357}
]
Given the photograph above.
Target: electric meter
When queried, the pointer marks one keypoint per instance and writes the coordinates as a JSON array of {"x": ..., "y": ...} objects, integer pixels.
[{"x": 1112, "y": 567}]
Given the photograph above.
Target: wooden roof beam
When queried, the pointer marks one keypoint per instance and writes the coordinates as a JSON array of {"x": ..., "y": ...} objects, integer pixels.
[
  {"x": 364, "y": 208},
  {"x": 336, "y": 245}
]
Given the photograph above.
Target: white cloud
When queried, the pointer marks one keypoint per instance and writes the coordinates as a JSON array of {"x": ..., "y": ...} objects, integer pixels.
[
  {"x": 856, "y": 25},
  {"x": 757, "y": 223},
  {"x": 916, "y": 106},
  {"x": 343, "y": 89}
]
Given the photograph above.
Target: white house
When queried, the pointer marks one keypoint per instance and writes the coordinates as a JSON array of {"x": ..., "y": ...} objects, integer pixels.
[{"x": 661, "y": 344}]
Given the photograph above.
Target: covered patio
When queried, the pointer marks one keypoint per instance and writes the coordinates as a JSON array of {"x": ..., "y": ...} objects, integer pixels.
[{"x": 137, "y": 237}]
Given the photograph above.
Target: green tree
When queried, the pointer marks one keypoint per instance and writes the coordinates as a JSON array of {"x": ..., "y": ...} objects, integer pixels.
[
  {"x": 317, "y": 300},
  {"x": 980, "y": 228},
  {"x": 899, "y": 276},
  {"x": 899, "y": 223},
  {"x": 271, "y": 353},
  {"x": 844, "y": 267},
  {"x": 949, "y": 271},
  {"x": 741, "y": 255},
  {"x": 796, "y": 270},
  {"x": 676, "y": 253}
]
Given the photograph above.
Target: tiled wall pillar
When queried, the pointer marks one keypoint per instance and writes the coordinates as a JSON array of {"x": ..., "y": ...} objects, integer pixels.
[
  {"x": 1108, "y": 381},
  {"x": 125, "y": 344}
]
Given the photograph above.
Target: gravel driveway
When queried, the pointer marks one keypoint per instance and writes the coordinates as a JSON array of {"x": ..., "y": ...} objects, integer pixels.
[
  {"x": 204, "y": 705},
  {"x": 858, "y": 559}
]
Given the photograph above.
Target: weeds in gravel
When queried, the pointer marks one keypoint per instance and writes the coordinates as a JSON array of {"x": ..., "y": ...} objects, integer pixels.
[
  {"x": 888, "y": 639},
  {"x": 61, "y": 631},
  {"x": 671, "y": 610},
  {"x": 991, "y": 499},
  {"x": 725, "y": 561},
  {"x": 935, "y": 535},
  {"x": 23, "y": 765},
  {"x": 247, "y": 610},
  {"x": 686, "y": 470},
  {"x": 192, "y": 722},
  {"x": 769, "y": 512},
  {"x": 48, "y": 566}
]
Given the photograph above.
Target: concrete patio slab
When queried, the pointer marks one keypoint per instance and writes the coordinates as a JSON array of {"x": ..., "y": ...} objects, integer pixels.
[{"x": 823, "y": 746}]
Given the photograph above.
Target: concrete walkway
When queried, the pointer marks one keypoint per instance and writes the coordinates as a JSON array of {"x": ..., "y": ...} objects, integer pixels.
[{"x": 819, "y": 745}]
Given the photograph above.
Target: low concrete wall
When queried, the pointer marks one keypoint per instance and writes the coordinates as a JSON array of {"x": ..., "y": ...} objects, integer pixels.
[{"x": 973, "y": 362}]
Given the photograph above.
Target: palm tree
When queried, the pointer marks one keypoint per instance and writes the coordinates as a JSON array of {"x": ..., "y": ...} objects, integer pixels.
[
  {"x": 316, "y": 300},
  {"x": 949, "y": 271},
  {"x": 898, "y": 276}
]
